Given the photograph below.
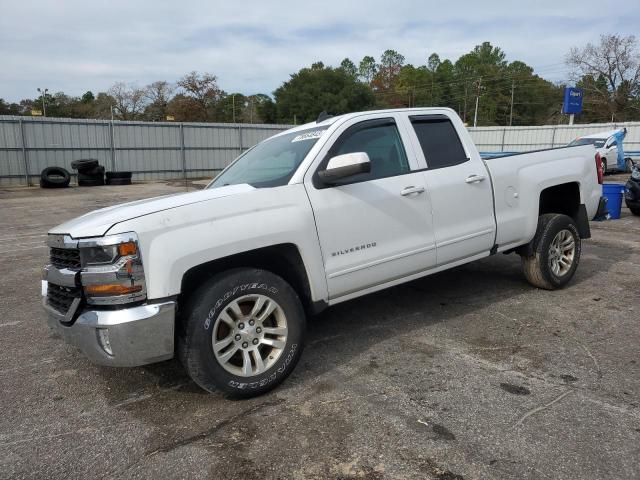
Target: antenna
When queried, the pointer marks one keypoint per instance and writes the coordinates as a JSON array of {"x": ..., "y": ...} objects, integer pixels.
[{"x": 323, "y": 116}]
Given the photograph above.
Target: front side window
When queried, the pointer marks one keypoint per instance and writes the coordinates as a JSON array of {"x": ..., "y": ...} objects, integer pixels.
[
  {"x": 439, "y": 141},
  {"x": 381, "y": 141},
  {"x": 272, "y": 162}
]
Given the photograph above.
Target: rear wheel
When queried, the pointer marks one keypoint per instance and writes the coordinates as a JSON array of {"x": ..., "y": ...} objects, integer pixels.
[
  {"x": 556, "y": 252},
  {"x": 242, "y": 332},
  {"x": 628, "y": 163},
  {"x": 635, "y": 208}
]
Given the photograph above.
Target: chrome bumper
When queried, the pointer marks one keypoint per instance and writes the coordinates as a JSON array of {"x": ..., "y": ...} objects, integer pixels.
[{"x": 127, "y": 337}]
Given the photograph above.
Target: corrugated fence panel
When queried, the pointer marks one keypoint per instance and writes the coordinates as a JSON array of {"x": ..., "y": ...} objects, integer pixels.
[
  {"x": 520, "y": 139},
  {"x": 153, "y": 151},
  {"x": 162, "y": 150}
]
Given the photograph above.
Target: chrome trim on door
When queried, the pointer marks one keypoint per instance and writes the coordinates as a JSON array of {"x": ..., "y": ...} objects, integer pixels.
[
  {"x": 382, "y": 260},
  {"x": 465, "y": 237}
]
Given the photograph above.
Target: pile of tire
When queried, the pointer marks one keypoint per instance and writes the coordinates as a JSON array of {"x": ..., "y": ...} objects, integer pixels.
[
  {"x": 90, "y": 173},
  {"x": 118, "y": 178},
  {"x": 54, "y": 177}
]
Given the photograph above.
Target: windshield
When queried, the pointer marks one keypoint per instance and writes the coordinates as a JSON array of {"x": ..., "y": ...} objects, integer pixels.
[
  {"x": 596, "y": 142},
  {"x": 272, "y": 162}
]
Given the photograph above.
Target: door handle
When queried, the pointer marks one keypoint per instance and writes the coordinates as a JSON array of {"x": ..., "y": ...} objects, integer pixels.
[
  {"x": 474, "y": 178},
  {"x": 409, "y": 190}
]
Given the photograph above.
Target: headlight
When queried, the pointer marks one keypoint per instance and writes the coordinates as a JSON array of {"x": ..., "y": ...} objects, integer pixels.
[
  {"x": 112, "y": 271},
  {"x": 98, "y": 255}
]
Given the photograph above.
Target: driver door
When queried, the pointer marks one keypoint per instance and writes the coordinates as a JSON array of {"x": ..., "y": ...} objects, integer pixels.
[{"x": 373, "y": 227}]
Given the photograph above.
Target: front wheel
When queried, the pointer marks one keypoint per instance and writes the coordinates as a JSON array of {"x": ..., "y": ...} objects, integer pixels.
[
  {"x": 556, "y": 252},
  {"x": 242, "y": 332}
]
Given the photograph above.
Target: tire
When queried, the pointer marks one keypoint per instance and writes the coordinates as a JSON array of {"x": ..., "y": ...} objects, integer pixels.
[
  {"x": 54, "y": 177},
  {"x": 118, "y": 181},
  {"x": 118, "y": 175},
  {"x": 93, "y": 177},
  {"x": 628, "y": 165},
  {"x": 202, "y": 323},
  {"x": 539, "y": 269},
  {"x": 635, "y": 208},
  {"x": 88, "y": 181},
  {"x": 84, "y": 164},
  {"x": 97, "y": 171}
]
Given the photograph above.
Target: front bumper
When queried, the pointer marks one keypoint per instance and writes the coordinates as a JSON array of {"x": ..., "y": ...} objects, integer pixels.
[{"x": 126, "y": 337}]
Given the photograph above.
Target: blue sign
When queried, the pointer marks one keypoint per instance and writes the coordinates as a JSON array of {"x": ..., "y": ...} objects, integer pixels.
[{"x": 572, "y": 100}]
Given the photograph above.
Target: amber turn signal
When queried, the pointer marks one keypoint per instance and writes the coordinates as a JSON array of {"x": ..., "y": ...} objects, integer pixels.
[
  {"x": 111, "y": 289},
  {"x": 127, "y": 249}
]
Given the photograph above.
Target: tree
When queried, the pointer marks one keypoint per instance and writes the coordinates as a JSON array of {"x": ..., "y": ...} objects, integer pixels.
[
  {"x": 433, "y": 62},
  {"x": 128, "y": 100},
  {"x": 231, "y": 108},
  {"x": 312, "y": 90},
  {"x": 7, "y": 108},
  {"x": 390, "y": 64},
  {"x": 267, "y": 110},
  {"x": 610, "y": 74},
  {"x": 256, "y": 109},
  {"x": 87, "y": 97},
  {"x": 367, "y": 69},
  {"x": 204, "y": 91},
  {"x": 349, "y": 68},
  {"x": 158, "y": 94}
]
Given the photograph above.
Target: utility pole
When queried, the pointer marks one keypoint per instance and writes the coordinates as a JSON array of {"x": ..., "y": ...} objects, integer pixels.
[
  {"x": 464, "y": 115},
  {"x": 475, "y": 114},
  {"x": 43, "y": 93},
  {"x": 233, "y": 107},
  {"x": 513, "y": 86},
  {"x": 432, "y": 78}
]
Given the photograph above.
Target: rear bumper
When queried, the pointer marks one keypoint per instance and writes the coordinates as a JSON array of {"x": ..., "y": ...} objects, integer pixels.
[{"x": 126, "y": 337}]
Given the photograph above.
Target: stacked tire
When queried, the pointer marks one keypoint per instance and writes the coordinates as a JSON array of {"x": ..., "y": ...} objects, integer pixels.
[
  {"x": 118, "y": 178},
  {"x": 90, "y": 173}
]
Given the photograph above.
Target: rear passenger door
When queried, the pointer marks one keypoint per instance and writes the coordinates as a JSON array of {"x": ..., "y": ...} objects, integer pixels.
[{"x": 460, "y": 189}]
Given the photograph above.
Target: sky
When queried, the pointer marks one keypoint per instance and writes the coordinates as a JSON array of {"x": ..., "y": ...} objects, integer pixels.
[{"x": 253, "y": 46}]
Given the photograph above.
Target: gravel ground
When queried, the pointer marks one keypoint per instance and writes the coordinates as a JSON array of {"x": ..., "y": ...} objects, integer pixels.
[{"x": 466, "y": 374}]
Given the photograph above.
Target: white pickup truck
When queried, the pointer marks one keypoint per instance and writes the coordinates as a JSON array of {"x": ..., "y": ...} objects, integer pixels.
[{"x": 314, "y": 216}]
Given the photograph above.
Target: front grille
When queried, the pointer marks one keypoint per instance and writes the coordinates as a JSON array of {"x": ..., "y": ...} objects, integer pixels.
[
  {"x": 65, "y": 257},
  {"x": 61, "y": 298}
]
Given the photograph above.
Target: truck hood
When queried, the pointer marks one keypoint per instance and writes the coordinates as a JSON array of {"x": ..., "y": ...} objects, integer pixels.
[{"x": 98, "y": 222}]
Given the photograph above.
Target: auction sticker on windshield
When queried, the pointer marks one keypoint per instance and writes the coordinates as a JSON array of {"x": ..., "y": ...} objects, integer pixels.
[{"x": 308, "y": 136}]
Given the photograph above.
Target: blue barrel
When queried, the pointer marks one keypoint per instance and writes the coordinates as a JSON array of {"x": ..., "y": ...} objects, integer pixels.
[{"x": 614, "y": 193}]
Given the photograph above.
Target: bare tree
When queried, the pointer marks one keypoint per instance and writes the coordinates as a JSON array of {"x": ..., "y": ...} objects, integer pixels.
[
  {"x": 128, "y": 100},
  {"x": 610, "y": 71},
  {"x": 158, "y": 94},
  {"x": 203, "y": 89}
]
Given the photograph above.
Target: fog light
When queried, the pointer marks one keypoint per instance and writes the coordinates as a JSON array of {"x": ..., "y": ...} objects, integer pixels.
[{"x": 103, "y": 340}]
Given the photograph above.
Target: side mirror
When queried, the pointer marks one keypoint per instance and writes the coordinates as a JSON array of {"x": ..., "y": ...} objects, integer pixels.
[{"x": 346, "y": 165}]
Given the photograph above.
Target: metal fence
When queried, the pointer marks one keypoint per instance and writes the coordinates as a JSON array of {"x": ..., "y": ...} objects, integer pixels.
[
  {"x": 519, "y": 139},
  {"x": 151, "y": 150},
  {"x": 155, "y": 151}
]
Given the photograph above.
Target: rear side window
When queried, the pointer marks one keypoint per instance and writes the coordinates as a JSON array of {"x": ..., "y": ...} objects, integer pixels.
[{"x": 439, "y": 141}]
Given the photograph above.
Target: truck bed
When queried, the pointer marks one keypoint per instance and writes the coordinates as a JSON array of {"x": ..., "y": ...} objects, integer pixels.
[{"x": 517, "y": 180}]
